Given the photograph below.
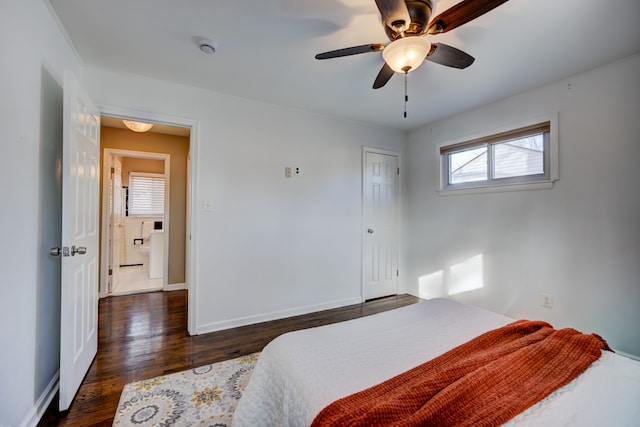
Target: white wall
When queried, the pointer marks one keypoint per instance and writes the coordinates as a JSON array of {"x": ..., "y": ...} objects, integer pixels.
[
  {"x": 271, "y": 246},
  {"x": 130, "y": 253},
  {"x": 579, "y": 241},
  {"x": 34, "y": 55}
]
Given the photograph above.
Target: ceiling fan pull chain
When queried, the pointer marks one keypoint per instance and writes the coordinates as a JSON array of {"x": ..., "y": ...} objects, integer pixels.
[{"x": 406, "y": 96}]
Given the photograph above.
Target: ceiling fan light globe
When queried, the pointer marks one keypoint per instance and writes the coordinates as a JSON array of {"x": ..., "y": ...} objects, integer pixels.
[{"x": 407, "y": 53}]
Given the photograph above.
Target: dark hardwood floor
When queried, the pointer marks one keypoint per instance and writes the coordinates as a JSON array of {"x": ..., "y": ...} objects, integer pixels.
[{"x": 145, "y": 335}]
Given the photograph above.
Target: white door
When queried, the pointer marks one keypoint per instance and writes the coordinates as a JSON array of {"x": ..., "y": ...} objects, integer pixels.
[
  {"x": 115, "y": 222},
  {"x": 80, "y": 201},
  {"x": 381, "y": 212}
]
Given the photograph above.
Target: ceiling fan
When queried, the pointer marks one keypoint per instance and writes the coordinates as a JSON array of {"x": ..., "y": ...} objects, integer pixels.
[{"x": 406, "y": 22}]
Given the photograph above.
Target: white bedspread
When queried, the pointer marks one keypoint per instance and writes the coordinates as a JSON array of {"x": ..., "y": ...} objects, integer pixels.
[{"x": 300, "y": 373}]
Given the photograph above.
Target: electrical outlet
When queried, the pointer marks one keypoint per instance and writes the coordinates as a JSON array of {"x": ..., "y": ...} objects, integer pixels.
[
  {"x": 546, "y": 300},
  {"x": 297, "y": 171},
  {"x": 287, "y": 172}
]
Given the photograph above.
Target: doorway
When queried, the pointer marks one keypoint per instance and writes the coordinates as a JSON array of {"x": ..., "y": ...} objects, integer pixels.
[
  {"x": 144, "y": 208},
  {"x": 138, "y": 221}
]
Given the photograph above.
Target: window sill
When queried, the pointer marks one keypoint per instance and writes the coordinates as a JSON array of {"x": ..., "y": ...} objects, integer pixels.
[{"x": 543, "y": 185}]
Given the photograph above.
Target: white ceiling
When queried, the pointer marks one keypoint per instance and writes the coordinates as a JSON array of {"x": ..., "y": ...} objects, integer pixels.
[{"x": 266, "y": 50}]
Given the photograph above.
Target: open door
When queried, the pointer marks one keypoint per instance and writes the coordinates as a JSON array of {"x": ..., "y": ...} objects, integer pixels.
[
  {"x": 80, "y": 239},
  {"x": 115, "y": 222}
]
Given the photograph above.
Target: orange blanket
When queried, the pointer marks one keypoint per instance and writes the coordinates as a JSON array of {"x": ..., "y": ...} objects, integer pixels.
[{"x": 484, "y": 382}]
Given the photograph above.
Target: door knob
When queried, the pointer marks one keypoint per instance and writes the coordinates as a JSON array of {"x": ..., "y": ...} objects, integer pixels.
[
  {"x": 370, "y": 231},
  {"x": 55, "y": 251},
  {"x": 80, "y": 250}
]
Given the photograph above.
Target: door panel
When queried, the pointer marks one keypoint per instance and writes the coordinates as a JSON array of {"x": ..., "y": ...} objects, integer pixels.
[
  {"x": 381, "y": 201},
  {"x": 79, "y": 283}
]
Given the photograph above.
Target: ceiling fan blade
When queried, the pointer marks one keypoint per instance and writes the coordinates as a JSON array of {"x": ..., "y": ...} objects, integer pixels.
[
  {"x": 450, "y": 56},
  {"x": 394, "y": 14},
  {"x": 460, "y": 14},
  {"x": 383, "y": 76},
  {"x": 355, "y": 50}
]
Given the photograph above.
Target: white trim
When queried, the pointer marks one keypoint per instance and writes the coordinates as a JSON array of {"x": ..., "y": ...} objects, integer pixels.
[
  {"x": 552, "y": 118},
  {"x": 63, "y": 31},
  {"x": 175, "y": 287},
  {"x": 274, "y": 315},
  {"x": 35, "y": 414},
  {"x": 192, "y": 227},
  {"x": 497, "y": 188},
  {"x": 365, "y": 150},
  {"x": 192, "y": 213}
]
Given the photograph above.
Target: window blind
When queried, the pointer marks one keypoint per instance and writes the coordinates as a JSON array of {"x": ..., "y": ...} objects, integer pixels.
[
  {"x": 146, "y": 194},
  {"x": 500, "y": 137}
]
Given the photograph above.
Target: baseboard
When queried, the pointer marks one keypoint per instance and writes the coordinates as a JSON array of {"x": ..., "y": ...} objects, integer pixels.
[
  {"x": 275, "y": 315},
  {"x": 175, "y": 287},
  {"x": 36, "y": 413},
  {"x": 412, "y": 291}
]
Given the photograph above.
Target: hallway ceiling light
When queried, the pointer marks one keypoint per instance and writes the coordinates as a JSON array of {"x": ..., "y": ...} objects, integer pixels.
[{"x": 137, "y": 126}]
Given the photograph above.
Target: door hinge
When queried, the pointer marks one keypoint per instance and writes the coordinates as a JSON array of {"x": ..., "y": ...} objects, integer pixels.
[
  {"x": 110, "y": 272},
  {"x": 398, "y": 171},
  {"x": 397, "y": 273}
]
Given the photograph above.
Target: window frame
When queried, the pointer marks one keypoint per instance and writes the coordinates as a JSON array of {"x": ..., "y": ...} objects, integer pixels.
[{"x": 490, "y": 139}]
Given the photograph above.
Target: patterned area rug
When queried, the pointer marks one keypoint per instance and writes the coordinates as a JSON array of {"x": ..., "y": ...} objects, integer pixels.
[{"x": 206, "y": 396}]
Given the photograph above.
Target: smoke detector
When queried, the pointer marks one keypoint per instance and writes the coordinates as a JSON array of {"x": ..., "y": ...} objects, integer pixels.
[{"x": 207, "y": 46}]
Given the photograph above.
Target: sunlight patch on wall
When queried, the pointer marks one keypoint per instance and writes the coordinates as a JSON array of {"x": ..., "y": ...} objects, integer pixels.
[
  {"x": 464, "y": 276},
  {"x": 431, "y": 285}
]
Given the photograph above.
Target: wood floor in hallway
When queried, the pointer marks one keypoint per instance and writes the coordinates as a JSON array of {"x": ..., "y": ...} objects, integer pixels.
[{"x": 145, "y": 335}]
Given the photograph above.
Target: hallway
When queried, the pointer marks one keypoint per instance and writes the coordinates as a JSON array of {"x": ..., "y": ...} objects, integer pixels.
[{"x": 135, "y": 279}]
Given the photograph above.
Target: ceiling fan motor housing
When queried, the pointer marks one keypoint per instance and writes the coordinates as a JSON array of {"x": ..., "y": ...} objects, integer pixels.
[{"x": 420, "y": 13}]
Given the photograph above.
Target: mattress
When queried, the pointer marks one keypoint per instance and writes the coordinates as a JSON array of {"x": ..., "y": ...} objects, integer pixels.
[{"x": 299, "y": 373}]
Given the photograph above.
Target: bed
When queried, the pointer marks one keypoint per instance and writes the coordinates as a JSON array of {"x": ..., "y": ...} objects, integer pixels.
[{"x": 300, "y": 373}]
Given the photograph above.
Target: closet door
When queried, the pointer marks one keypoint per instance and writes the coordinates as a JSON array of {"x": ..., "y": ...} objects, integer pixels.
[{"x": 381, "y": 198}]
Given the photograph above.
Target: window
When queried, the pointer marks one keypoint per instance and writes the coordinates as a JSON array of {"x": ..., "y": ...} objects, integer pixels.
[
  {"x": 524, "y": 155},
  {"x": 146, "y": 194}
]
